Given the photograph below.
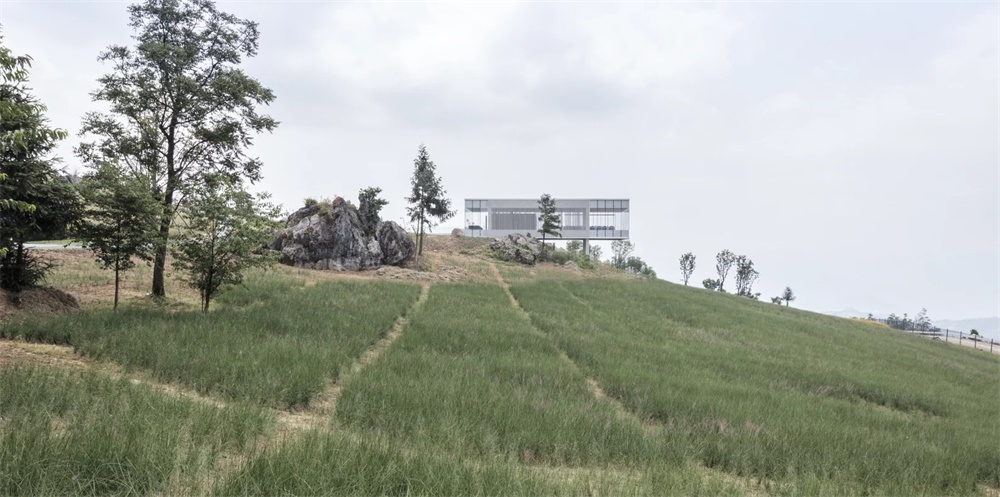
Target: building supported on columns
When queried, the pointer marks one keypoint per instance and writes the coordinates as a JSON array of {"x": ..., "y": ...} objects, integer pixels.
[{"x": 582, "y": 219}]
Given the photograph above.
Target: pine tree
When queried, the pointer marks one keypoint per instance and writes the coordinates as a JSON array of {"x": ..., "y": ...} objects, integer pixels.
[
  {"x": 427, "y": 198},
  {"x": 551, "y": 224},
  {"x": 788, "y": 296}
]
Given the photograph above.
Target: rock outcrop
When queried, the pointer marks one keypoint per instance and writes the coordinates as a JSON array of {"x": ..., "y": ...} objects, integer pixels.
[
  {"x": 516, "y": 248},
  {"x": 395, "y": 243},
  {"x": 328, "y": 235}
]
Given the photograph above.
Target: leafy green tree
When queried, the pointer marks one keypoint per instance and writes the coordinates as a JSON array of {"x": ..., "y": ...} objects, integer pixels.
[
  {"x": 33, "y": 196},
  {"x": 369, "y": 206},
  {"x": 574, "y": 246},
  {"x": 621, "y": 250},
  {"x": 788, "y": 296},
  {"x": 710, "y": 284},
  {"x": 427, "y": 198},
  {"x": 180, "y": 105},
  {"x": 723, "y": 263},
  {"x": 547, "y": 216},
  {"x": 687, "y": 267},
  {"x": 636, "y": 265},
  {"x": 746, "y": 276},
  {"x": 922, "y": 322},
  {"x": 13, "y": 71},
  {"x": 595, "y": 253},
  {"x": 974, "y": 332},
  {"x": 119, "y": 221},
  {"x": 226, "y": 231}
]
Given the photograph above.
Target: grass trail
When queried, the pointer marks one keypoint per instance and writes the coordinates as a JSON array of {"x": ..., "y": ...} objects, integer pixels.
[
  {"x": 274, "y": 342},
  {"x": 774, "y": 393}
]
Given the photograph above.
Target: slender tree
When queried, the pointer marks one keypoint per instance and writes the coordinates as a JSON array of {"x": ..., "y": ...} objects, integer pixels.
[
  {"x": 922, "y": 322},
  {"x": 746, "y": 276},
  {"x": 225, "y": 234},
  {"x": 119, "y": 221},
  {"x": 621, "y": 250},
  {"x": 687, "y": 267},
  {"x": 369, "y": 207},
  {"x": 595, "y": 253},
  {"x": 788, "y": 296},
  {"x": 723, "y": 263},
  {"x": 180, "y": 106},
  {"x": 427, "y": 197},
  {"x": 550, "y": 222}
]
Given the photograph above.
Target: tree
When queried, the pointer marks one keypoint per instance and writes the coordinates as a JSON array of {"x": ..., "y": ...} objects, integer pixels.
[
  {"x": 723, "y": 263},
  {"x": 710, "y": 284},
  {"x": 687, "y": 267},
  {"x": 621, "y": 250},
  {"x": 119, "y": 220},
  {"x": 746, "y": 276},
  {"x": 574, "y": 247},
  {"x": 974, "y": 332},
  {"x": 181, "y": 107},
  {"x": 636, "y": 265},
  {"x": 427, "y": 198},
  {"x": 547, "y": 216},
  {"x": 922, "y": 322},
  {"x": 595, "y": 253},
  {"x": 369, "y": 206},
  {"x": 33, "y": 196},
  {"x": 777, "y": 300},
  {"x": 226, "y": 232},
  {"x": 787, "y": 295}
]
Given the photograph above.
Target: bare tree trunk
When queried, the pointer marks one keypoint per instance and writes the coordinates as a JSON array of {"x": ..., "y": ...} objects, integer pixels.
[
  {"x": 160, "y": 259},
  {"x": 116, "y": 286},
  {"x": 420, "y": 242}
]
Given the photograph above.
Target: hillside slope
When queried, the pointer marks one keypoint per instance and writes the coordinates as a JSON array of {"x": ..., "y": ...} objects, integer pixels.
[{"x": 500, "y": 379}]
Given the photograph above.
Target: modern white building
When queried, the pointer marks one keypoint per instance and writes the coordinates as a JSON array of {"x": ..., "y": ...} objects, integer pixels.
[{"x": 582, "y": 219}]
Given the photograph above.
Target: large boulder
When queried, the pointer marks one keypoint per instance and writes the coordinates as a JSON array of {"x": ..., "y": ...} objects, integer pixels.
[
  {"x": 395, "y": 243},
  {"x": 328, "y": 235},
  {"x": 517, "y": 248}
]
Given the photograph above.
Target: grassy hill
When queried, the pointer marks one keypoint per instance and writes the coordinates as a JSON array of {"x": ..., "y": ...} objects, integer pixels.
[{"x": 479, "y": 377}]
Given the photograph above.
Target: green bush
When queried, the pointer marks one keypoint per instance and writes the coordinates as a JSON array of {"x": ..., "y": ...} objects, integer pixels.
[{"x": 560, "y": 256}]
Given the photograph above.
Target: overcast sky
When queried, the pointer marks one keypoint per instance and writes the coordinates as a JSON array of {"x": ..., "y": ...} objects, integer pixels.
[{"x": 850, "y": 149}]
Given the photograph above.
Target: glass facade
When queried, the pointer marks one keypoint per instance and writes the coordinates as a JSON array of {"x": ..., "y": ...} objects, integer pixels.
[
  {"x": 475, "y": 216},
  {"x": 581, "y": 218},
  {"x": 609, "y": 218}
]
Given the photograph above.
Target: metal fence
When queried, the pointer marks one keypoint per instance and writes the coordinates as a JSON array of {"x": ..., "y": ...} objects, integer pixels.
[{"x": 950, "y": 336}]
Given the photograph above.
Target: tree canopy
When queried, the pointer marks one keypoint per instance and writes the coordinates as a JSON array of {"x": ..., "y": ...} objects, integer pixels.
[
  {"x": 428, "y": 200},
  {"x": 180, "y": 106},
  {"x": 33, "y": 195},
  {"x": 119, "y": 220}
]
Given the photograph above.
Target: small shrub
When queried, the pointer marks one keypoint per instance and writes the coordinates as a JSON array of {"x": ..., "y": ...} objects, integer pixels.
[
  {"x": 311, "y": 201},
  {"x": 559, "y": 257},
  {"x": 583, "y": 261}
]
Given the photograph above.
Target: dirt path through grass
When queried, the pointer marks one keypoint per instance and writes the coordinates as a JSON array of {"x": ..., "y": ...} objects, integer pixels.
[
  {"x": 592, "y": 384},
  {"x": 290, "y": 423},
  {"x": 326, "y": 402}
]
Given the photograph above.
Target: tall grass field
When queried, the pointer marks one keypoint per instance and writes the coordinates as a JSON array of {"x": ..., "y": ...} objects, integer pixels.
[{"x": 581, "y": 385}]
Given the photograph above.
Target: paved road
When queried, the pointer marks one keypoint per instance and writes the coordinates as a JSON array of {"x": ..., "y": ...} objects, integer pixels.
[{"x": 46, "y": 246}]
